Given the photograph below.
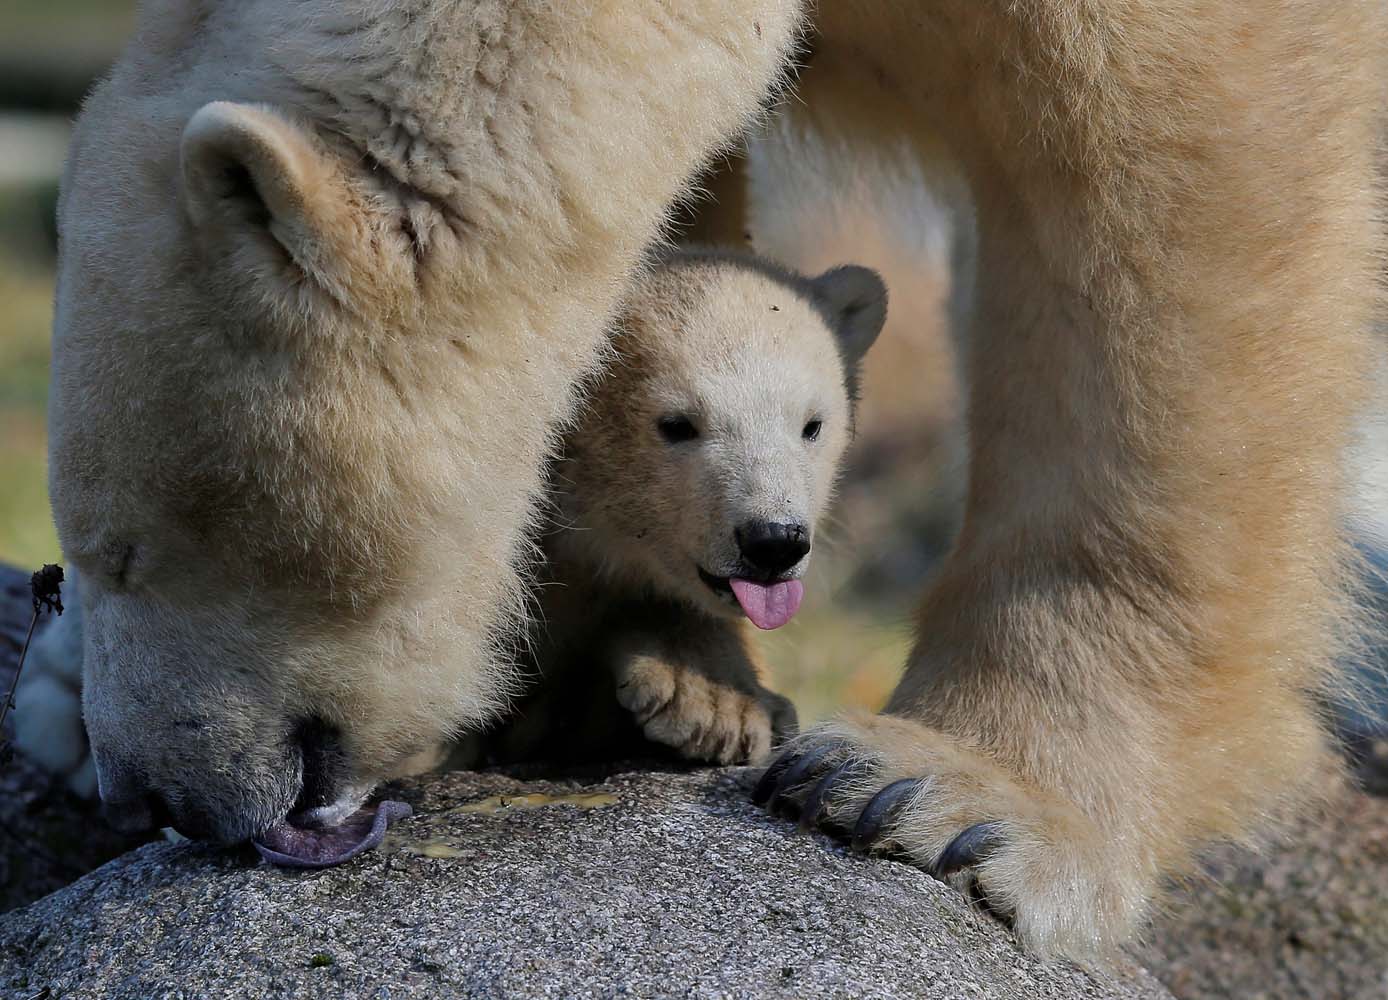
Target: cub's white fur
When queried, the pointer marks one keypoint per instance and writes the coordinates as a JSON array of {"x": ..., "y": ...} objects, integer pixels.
[{"x": 759, "y": 366}]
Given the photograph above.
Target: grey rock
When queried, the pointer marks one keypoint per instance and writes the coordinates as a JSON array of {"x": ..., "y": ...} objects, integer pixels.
[
  {"x": 1307, "y": 919},
  {"x": 638, "y": 885}
]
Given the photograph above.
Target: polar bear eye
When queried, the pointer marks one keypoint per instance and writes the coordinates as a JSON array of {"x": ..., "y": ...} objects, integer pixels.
[
  {"x": 677, "y": 429},
  {"x": 811, "y": 431}
]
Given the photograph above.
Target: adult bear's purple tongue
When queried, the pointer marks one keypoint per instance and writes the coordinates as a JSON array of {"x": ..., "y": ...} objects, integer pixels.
[
  {"x": 322, "y": 847},
  {"x": 769, "y": 605}
]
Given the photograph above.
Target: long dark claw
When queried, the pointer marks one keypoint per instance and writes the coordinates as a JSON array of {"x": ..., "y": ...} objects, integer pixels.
[
  {"x": 881, "y": 811},
  {"x": 969, "y": 848},
  {"x": 761, "y": 795},
  {"x": 976, "y": 895},
  {"x": 818, "y": 799},
  {"x": 801, "y": 771}
]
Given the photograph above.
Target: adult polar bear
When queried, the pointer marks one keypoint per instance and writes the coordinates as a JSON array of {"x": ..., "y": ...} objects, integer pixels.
[
  {"x": 328, "y": 274},
  {"x": 302, "y": 387}
]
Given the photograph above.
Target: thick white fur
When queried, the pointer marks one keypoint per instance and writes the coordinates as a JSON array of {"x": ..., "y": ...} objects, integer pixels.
[
  {"x": 749, "y": 359},
  {"x": 328, "y": 274},
  {"x": 1178, "y": 254}
]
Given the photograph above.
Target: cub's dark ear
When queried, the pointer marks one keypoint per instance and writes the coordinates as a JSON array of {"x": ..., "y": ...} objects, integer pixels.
[{"x": 855, "y": 299}]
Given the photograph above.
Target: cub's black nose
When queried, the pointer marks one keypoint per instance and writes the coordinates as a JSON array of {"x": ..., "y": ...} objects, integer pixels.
[{"x": 772, "y": 547}]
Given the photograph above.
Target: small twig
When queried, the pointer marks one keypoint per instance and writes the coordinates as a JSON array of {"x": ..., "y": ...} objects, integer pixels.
[
  {"x": 45, "y": 588},
  {"x": 14, "y": 682}
]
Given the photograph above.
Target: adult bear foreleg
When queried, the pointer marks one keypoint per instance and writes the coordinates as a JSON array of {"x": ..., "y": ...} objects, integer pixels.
[{"x": 1176, "y": 275}]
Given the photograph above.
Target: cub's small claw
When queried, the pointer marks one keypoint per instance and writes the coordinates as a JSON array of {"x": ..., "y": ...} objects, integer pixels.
[
  {"x": 817, "y": 801},
  {"x": 969, "y": 848},
  {"x": 880, "y": 812}
]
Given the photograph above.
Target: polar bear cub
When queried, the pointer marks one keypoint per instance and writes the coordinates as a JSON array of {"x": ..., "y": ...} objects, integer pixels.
[{"x": 686, "y": 499}]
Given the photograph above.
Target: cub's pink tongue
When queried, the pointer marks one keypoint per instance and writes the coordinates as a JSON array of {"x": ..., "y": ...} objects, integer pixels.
[{"x": 769, "y": 605}]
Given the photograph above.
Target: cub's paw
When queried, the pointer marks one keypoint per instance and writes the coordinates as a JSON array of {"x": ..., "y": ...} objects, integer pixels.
[
  {"x": 891, "y": 786},
  {"x": 48, "y": 704},
  {"x": 703, "y": 719}
]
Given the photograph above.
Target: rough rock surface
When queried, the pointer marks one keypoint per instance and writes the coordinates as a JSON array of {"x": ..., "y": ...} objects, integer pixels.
[
  {"x": 654, "y": 885},
  {"x": 1304, "y": 920}
]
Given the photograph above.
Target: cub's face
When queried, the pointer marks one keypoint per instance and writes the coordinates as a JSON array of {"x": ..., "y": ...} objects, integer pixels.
[{"x": 709, "y": 451}]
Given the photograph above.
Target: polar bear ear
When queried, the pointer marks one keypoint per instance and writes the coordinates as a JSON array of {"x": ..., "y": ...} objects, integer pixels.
[
  {"x": 855, "y": 299},
  {"x": 258, "y": 184}
]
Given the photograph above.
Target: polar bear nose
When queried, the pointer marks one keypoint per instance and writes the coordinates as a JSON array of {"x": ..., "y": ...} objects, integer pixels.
[
  {"x": 772, "y": 547},
  {"x": 136, "y": 815},
  {"x": 151, "y": 811}
]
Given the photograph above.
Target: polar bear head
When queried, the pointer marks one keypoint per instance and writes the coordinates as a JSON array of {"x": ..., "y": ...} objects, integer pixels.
[
  {"x": 328, "y": 273},
  {"x": 708, "y": 450}
]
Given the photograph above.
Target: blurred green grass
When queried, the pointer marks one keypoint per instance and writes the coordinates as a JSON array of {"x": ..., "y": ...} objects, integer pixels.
[
  {"x": 26, "y": 525},
  {"x": 51, "y": 20},
  {"x": 50, "y": 52},
  {"x": 836, "y": 656}
]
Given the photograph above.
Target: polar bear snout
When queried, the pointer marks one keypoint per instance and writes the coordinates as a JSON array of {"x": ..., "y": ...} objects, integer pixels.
[
  {"x": 772, "y": 547},
  {"x": 132, "y": 806},
  {"x": 224, "y": 806},
  {"x": 222, "y": 720},
  {"x": 131, "y": 809},
  {"x": 190, "y": 727},
  {"x": 312, "y": 784}
]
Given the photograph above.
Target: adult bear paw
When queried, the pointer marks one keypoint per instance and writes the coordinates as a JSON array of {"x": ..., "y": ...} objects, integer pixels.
[{"x": 891, "y": 786}]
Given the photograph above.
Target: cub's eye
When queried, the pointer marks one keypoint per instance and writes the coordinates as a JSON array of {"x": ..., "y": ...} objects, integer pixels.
[
  {"x": 812, "y": 429},
  {"x": 677, "y": 429}
]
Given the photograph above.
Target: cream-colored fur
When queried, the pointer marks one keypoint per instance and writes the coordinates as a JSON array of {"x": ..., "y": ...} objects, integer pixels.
[
  {"x": 1176, "y": 275},
  {"x": 1177, "y": 260},
  {"x": 824, "y": 186},
  {"x": 750, "y": 356},
  {"x": 328, "y": 273}
]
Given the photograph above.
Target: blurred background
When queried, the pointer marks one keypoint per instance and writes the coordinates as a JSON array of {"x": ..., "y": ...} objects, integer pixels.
[{"x": 49, "y": 55}]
